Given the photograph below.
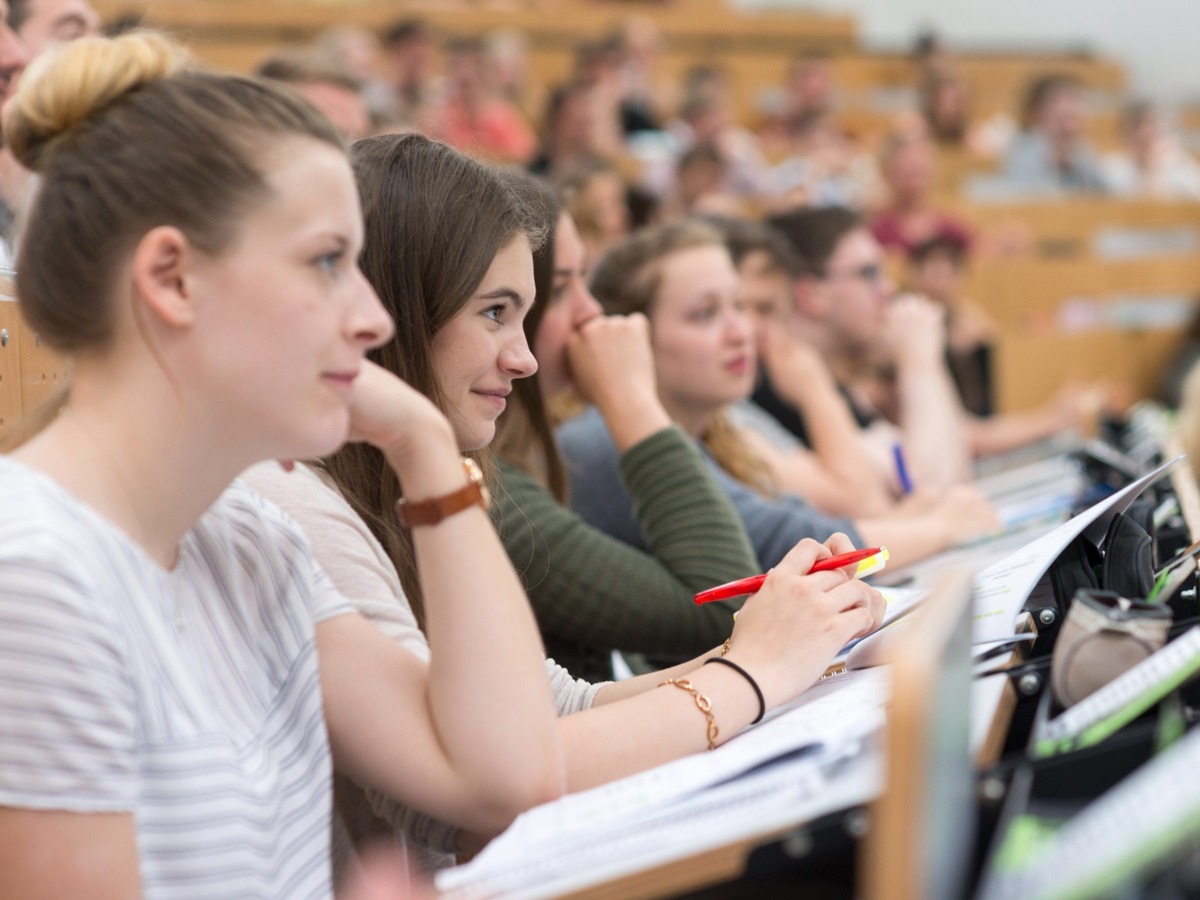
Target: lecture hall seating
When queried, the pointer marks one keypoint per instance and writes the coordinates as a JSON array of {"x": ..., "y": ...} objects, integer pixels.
[{"x": 1041, "y": 301}]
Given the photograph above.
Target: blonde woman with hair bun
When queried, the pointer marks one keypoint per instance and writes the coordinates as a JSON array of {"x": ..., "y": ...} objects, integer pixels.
[{"x": 178, "y": 677}]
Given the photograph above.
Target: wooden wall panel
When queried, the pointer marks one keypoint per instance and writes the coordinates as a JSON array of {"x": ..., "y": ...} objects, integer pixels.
[
  {"x": 43, "y": 372},
  {"x": 10, "y": 368}
]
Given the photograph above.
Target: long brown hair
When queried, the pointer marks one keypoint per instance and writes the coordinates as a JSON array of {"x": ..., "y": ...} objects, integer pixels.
[
  {"x": 628, "y": 279},
  {"x": 435, "y": 221}
]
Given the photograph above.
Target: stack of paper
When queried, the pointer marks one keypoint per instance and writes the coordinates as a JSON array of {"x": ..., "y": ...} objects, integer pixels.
[{"x": 801, "y": 762}]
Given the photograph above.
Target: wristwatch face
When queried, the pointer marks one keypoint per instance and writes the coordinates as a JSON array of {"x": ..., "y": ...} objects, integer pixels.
[
  {"x": 475, "y": 474},
  {"x": 432, "y": 510}
]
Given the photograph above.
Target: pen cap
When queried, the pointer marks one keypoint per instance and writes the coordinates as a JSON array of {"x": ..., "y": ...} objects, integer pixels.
[{"x": 1104, "y": 635}]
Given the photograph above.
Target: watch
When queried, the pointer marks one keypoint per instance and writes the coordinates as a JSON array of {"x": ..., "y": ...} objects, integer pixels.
[{"x": 433, "y": 510}]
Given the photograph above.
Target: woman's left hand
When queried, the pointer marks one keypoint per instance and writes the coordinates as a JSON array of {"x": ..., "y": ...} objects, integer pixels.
[{"x": 389, "y": 413}]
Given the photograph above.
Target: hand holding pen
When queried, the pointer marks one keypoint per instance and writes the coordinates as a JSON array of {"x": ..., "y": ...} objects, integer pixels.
[
  {"x": 867, "y": 561},
  {"x": 791, "y": 628}
]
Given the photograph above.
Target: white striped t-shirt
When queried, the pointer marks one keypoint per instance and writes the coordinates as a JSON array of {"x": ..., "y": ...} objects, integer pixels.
[{"x": 188, "y": 698}]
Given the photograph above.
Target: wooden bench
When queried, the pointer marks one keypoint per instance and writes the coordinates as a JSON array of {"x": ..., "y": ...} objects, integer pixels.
[
  {"x": 755, "y": 48},
  {"x": 1082, "y": 226},
  {"x": 1107, "y": 292},
  {"x": 235, "y": 35}
]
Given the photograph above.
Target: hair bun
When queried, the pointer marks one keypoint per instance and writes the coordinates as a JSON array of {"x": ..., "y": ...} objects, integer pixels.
[{"x": 72, "y": 83}]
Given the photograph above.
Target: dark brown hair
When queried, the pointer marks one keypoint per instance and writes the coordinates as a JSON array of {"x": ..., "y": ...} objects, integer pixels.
[
  {"x": 435, "y": 220},
  {"x": 18, "y": 13},
  {"x": 746, "y": 236},
  {"x": 814, "y": 234}
]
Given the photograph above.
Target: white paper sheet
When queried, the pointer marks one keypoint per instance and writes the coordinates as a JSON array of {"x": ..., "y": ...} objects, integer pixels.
[
  {"x": 763, "y": 802},
  {"x": 1001, "y": 589},
  {"x": 794, "y": 752}
]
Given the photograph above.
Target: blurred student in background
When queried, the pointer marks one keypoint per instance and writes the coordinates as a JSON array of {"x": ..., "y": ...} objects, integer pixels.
[
  {"x": 476, "y": 117},
  {"x": 410, "y": 55},
  {"x": 845, "y": 306},
  {"x": 1151, "y": 163},
  {"x": 597, "y": 199},
  {"x": 334, "y": 91},
  {"x": 1052, "y": 154},
  {"x": 682, "y": 278},
  {"x": 936, "y": 271},
  {"x": 909, "y": 215}
]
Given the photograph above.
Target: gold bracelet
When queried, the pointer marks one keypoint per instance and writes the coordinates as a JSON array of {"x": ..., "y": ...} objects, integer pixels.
[{"x": 702, "y": 703}]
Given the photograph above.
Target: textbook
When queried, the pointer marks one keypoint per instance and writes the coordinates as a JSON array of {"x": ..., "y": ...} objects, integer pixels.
[{"x": 1002, "y": 588}]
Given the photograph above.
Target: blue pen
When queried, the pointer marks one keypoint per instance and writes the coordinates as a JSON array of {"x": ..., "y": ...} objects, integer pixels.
[{"x": 906, "y": 486}]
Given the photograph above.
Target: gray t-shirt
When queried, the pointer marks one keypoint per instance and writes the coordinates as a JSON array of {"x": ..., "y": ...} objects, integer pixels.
[
  {"x": 752, "y": 417},
  {"x": 188, "y": 698}
]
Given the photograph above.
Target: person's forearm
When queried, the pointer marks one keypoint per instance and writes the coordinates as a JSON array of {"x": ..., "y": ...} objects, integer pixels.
[
  {"x": 999, "y": 434},
  {"x": 593, "y": 590},
  {"x": 837, "y": 441},
  {"x": 615, "y": 691},
  {"x": 655, "y": 726},
  {"x": 931, "y": 420},
  {"x": 907, "y": 539},
  {"x": 486, "y": 652}
]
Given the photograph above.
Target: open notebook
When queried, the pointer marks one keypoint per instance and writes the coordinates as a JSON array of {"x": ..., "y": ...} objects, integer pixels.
[{"x": 695, "y": 821}]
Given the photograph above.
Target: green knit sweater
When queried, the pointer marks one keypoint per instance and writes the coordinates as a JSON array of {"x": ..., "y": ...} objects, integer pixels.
[{"x": 592, "y": 594}]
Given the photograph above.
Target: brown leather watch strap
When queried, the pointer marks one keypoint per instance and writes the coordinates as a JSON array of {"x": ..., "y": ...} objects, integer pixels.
[{"x": 434, "y": 509}]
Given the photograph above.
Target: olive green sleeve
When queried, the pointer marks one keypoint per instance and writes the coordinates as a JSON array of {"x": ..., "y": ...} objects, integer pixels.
[{"x": 591, "y": 590}]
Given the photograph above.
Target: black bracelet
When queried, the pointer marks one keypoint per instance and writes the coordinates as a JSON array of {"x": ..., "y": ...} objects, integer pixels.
[{"x": 762, "y": 704}]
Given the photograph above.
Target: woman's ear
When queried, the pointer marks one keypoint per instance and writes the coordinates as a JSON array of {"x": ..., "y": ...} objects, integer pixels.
[{"x": 161, "y": 263}]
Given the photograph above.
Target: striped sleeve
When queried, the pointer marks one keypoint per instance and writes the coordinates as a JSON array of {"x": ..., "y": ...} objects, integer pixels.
[{"x": 67, "y": 710}]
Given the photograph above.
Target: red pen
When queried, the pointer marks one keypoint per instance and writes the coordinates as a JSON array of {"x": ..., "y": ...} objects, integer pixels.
[{"x": 753, "y": 583}]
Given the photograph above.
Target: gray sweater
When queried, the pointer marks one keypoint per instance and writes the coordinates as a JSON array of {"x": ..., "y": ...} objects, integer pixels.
[{"x": 599, "y": 497}]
